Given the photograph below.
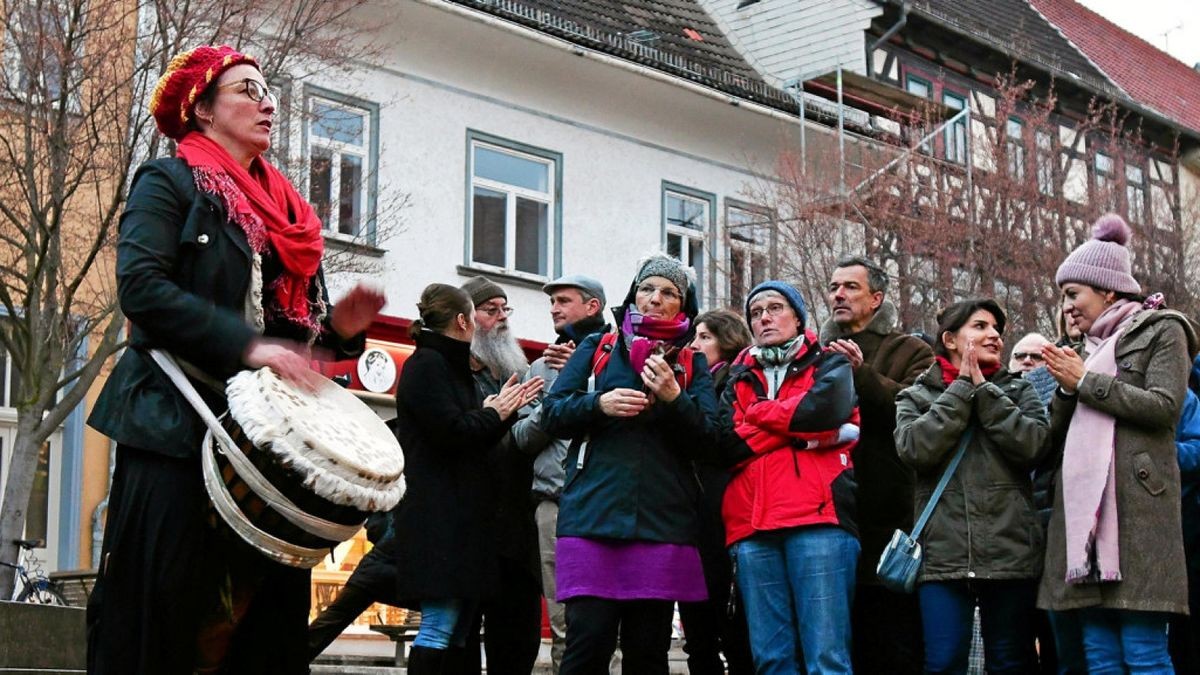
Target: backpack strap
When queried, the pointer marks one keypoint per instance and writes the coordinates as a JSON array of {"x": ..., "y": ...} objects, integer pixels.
[
  {"x": 600, "y": 358},
  {"x": 683, "y": 364}
]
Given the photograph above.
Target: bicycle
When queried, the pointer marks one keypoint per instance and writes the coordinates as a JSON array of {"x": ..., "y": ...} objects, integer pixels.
[{"x": 33, "y": 584}]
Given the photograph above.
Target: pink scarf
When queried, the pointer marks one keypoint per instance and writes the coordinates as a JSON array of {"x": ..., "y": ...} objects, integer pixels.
[
  {"x": 644, "y": 334},
  {"x": 1089, "y": 464}
]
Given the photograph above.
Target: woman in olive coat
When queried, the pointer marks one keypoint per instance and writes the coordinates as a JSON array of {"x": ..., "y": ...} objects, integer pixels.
[
  {"x": 983, "y": 543},
  {"x": 1114, "y": 556}
]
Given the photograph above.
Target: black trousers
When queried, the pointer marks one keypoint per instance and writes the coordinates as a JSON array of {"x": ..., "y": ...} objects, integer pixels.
[
  {"x": 708, "y": 627},
  {"x": 512, "y": 621},
  {"x": 887, "y": 632},
  {"x": 176, "y": 595},
  {"x": 352, "y": 601},
  {"x": 592, "y": 628}
]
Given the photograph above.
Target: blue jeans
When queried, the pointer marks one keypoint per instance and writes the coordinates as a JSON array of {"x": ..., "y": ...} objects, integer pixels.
[
  {"x": 444, "y": 623},
  {"x": 797, "y": 586},
  {"x": 1125, "y": 641},
  {"x": 1005, "y": 611}
]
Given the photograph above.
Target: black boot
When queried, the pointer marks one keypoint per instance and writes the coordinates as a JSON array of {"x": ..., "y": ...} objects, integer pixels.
[{"x": 425, "y": 661}]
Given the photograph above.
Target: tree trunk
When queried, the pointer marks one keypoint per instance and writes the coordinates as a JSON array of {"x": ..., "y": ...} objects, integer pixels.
[{"x": 16, "y": 495}]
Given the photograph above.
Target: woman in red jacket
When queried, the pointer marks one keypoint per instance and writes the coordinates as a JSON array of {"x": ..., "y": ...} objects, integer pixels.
[{"x": 791, "y": 421}]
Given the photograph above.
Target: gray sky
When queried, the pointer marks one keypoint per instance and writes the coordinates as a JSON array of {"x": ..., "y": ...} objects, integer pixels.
[{"x": 1150, "y": 19}]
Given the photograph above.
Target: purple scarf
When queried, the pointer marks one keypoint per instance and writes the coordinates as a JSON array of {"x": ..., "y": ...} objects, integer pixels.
[
  {"x": 1089, "y": 464},
  {"x": 644, "y": 334}
]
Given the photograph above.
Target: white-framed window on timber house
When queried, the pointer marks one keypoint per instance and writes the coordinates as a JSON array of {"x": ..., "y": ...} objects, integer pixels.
[
  {"x": 514, "y": 207},
  {"x": 342, "y": 149}
]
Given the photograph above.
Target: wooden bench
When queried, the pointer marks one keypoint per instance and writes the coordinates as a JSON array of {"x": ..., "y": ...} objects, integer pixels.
[
  {"x": 76, "y": 585},
  {"x": 401, "y": 634}
]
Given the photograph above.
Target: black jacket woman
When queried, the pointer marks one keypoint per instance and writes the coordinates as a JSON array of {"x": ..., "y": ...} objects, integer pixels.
[
  {"x": 627, "y": 522},
  {"x": 218, "y": 263},
  {"x": 445, "y": 557},
  {"x": 983, "y": 543},
  {"x": 710, "y": 628}
]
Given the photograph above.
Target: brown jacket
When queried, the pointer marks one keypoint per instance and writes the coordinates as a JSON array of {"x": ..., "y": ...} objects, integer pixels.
[
  {"x": 1146, "y": 398},
  {"x": 891, "y": 362}
]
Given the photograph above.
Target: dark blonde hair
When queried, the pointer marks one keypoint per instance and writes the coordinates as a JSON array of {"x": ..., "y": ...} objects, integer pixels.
[
  {"x": 440, "y": 304},
  {"x": 729, "y": 329}
]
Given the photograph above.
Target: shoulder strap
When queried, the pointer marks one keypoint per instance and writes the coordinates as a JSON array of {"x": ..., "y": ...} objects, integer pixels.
[
  {"x": 683, "y": 367},
  {"x": 600, "y": 357},
  {"x": 941, "y": 486}
]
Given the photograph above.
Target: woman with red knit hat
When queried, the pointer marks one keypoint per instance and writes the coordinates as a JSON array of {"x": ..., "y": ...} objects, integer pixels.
[
  {"x": 219, "y": 264},
  {"x": 1114, "y": 553}
]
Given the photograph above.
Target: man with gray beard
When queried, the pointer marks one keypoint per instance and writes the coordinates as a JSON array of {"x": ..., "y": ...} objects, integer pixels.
[{"x": 512, "y": 617}]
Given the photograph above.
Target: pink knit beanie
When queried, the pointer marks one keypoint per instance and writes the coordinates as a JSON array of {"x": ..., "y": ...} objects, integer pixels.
[{"x": 1103, "y": 261}]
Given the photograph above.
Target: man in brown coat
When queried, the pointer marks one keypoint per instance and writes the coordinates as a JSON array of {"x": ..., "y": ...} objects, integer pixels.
[{"x": 886, "y": 625}]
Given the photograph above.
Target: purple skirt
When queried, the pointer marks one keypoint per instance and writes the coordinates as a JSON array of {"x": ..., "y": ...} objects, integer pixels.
[{"x": 628, "y": 570}]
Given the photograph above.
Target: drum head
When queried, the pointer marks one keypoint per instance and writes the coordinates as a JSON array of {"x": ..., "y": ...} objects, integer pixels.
[{"x": 351, "y": 455}]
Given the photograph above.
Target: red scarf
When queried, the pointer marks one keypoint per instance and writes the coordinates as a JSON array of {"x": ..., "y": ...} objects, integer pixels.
[
  {"x": 270, "y": 211},
  {"x": 951, "y": 373}
]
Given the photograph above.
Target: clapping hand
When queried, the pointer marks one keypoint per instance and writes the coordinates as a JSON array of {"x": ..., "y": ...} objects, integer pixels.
[
  {"x": 556, "y": 356},
  {"x": 850, "y": 350},
  {"x": 513, "y": 396},
  {"x": 970, "y": 365},
  {"x": 1064, "y": 365}
]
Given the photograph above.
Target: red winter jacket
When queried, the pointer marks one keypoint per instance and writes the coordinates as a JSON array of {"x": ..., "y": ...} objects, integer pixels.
[{"x": 793, "y": 451}]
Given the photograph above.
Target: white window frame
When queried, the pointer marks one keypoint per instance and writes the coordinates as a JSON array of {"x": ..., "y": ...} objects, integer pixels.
[
  {"x": 1135, "y": 193},
  {"x": 13, "y": 67},
  {"x": 687, "y": 235},
  {"x": 955, "y": 135},
  {"x": 366, "y": 152},
  {"x": 757, "y": 254},
  {"x": 1015, "y": 148},
  {"x": 551, "y": 198},
  {"x": 1105, "y": 180},
  {"x": 1045, "y": 163}
]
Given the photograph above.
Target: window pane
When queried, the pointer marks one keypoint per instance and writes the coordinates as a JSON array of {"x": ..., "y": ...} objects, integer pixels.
[
  {"x": 760, "y": 267},
  {"x": 1014, "y": 129},
  {"x": 511, "y": 170},
  {"x": 918, "y": 87},
  {"x": 532, "y": 236},
  {"x": 39, "y": 499},
  {"x": 350, "y": 195},
  {"x": 696, "y": 260},
  {"x": 1133, "y": 173},
  {"x": 675, "y": 246},
  {"x": 686, "y": 211},
  {"x": 1103, "y": 163},
  {"x": 320, "y": 177},
  {"x": 737, "y": 275},
  {"x": 487, "y": 227},
  {"x": 3, "y": 378},
  {"x": 337, "y": 124}
]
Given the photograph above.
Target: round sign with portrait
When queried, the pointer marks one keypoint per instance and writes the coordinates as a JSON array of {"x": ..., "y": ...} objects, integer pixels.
[{"x": 376, "y": 370}]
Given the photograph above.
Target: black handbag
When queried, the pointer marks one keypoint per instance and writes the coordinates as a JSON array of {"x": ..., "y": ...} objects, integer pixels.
[{"x": 901, "y": 559}]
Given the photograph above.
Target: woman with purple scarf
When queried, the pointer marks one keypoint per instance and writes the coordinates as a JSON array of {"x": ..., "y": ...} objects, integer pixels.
[
  {"x": 1114, "y": 556},
  {"x": 627, "y": 523}
]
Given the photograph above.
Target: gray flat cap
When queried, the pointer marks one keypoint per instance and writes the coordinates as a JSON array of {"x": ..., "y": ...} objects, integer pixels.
[{"x": 583, "y": 283}]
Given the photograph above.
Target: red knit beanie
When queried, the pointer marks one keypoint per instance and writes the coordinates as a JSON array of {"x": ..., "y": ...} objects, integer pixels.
[{"x": 186, "y": 78}]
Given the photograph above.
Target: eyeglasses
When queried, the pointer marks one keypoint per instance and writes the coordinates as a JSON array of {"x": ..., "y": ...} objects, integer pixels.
[
  {"x": 773, "y": 309},
  {"x": 256, "y": 91},
  {"x": 1021, "y": 356},
  {"x": 666, "y": 292},
  {"x": 495, "y": 310}
]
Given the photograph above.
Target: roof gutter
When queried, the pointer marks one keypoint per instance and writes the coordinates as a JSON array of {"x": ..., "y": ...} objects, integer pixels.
[{"x": 600, "y": 57}]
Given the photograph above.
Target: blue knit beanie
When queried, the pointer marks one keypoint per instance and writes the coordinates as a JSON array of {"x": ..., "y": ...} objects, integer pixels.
[{"x": 789, "y": 293}]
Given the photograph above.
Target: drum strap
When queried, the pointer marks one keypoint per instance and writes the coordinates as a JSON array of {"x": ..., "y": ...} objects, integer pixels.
[{"x": 244, "y": 467}]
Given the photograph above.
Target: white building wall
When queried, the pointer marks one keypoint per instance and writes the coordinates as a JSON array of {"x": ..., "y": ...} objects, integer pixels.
[
  {"x": 788, "y": 39},
  {"x": 621, "y": 134}
]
